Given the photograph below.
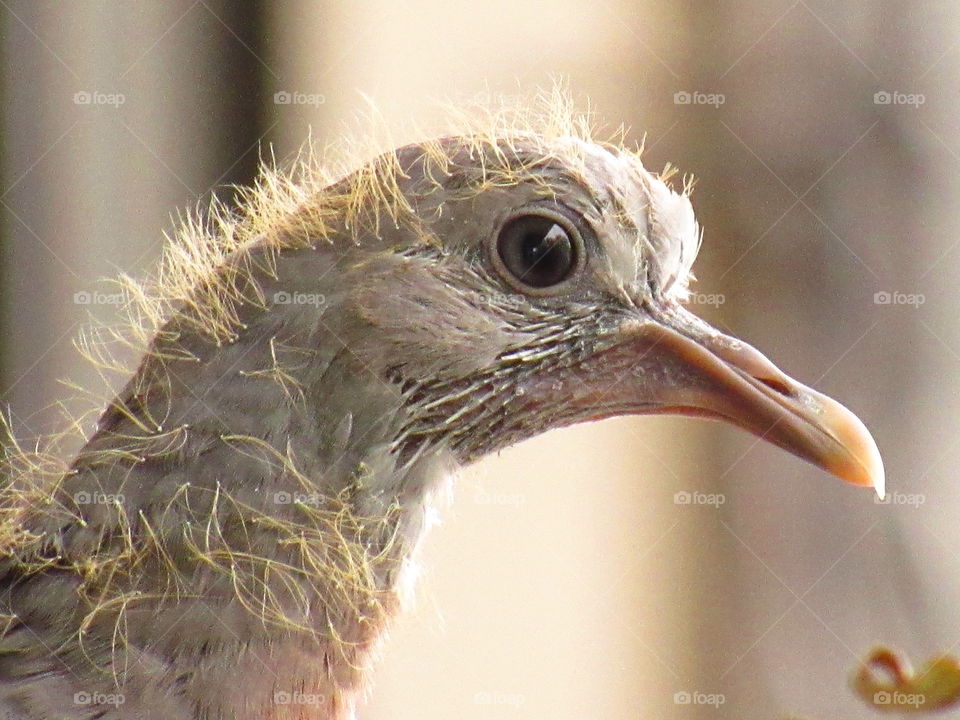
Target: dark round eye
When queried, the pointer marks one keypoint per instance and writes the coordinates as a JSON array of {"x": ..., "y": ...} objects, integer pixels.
[{"x": 537, "y": 250}]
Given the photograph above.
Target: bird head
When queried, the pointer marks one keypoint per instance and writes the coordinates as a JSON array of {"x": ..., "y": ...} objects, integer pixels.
[
  {"x": 526, "y": 283},
  {"x": 314, "y": 361},
  {"x": 317, "y": 359}
]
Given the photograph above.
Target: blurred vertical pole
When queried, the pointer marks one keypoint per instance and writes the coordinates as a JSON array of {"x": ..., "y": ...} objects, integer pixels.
[
  {"x": 235, "y": 117},
  {"x": 115, "y": 116},
  {"x": 5, "y": 327}
]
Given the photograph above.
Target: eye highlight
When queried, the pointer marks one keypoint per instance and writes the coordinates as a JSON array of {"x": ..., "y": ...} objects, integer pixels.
[{"x": 537, "y": 250}]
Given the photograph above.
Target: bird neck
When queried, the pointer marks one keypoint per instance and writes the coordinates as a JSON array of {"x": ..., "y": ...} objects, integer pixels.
[{"x": 259, "y": 523}]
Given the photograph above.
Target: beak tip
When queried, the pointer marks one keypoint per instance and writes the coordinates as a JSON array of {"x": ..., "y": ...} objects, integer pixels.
[
  {"x": 879, "y": 485},
  {"x": 862, "y": 464}
]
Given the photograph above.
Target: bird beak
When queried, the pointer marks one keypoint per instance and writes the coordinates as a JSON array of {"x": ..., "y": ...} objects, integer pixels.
[{"x": 672, "y": 362}]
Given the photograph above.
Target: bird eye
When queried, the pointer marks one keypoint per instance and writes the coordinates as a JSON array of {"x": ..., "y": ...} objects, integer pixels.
[{"x": 537, "y": 250}]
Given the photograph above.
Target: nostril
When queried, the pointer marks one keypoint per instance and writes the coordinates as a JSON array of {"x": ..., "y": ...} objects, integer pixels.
[{"x": 777, "y": 385}]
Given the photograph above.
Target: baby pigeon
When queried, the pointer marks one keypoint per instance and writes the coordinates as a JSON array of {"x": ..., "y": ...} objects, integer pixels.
[{"x": 233, "y": 538}]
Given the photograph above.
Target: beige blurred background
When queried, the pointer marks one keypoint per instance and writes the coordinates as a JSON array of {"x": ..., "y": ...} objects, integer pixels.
[{"x": 565, "y": 580}]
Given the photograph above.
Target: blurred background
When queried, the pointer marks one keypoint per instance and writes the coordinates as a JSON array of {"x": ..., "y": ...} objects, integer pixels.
[{"x": 634, "y": 568}]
